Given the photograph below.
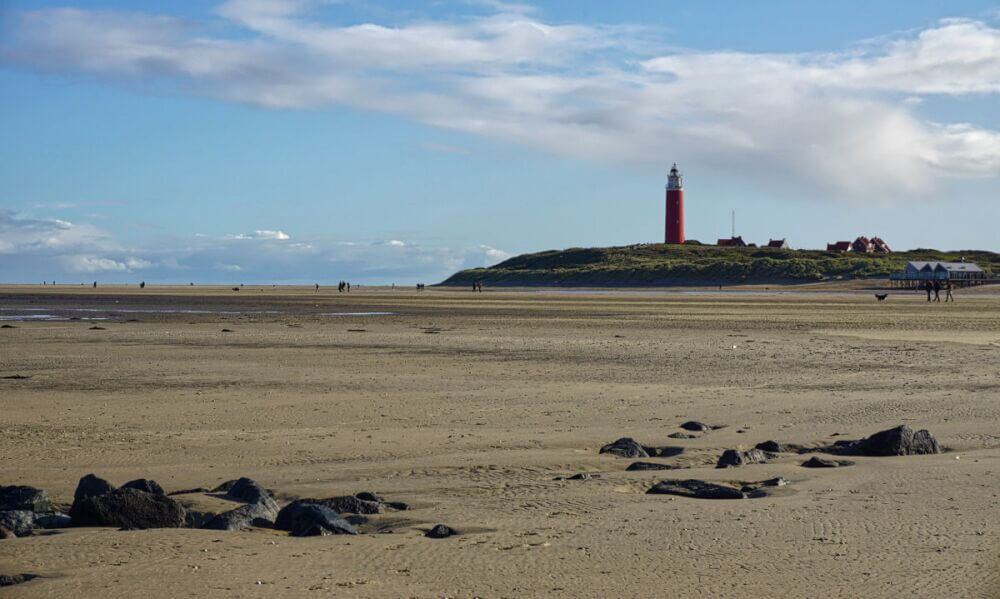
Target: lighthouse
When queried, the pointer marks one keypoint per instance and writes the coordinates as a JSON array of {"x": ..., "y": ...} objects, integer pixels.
[{"x": 675, "y": 207}]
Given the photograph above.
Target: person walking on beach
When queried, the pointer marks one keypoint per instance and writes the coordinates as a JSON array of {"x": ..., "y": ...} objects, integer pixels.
[
  {"x": 928, "y": 287},
  {"x": 948, "y": 297},
  {"x": 937, "y": 290}
]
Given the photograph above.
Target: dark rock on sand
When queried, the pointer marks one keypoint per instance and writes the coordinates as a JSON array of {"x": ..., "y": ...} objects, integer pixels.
[
  {"x": 305, "y": 519},
  {"x": 682, "y": 436},
  {"x": 732, "y": 458},
  {"x": 440, "y": 531},
  {"x": 815, "y": 462},
  {"x": 197, "y": 519},
  {"x": 53, "y": 520},
  {"x": 580, "y": 476},
  {"x": 130, "y": 509},
  {"x": 695, "y": 426},
  {"x": 145, "y": 484},
  {"x": 247, "y": 490},
  {"x": 397, "y": 505},
  {"x": 652, "y": 466},
  {"x": 625, "y": 447},
  {"x": 9, "y": 580},
  {"x": 898, "y": 441},
  {"x": 350, "y": 504},
  {"x": 368, "y": 496},
  {"x": 19, "y": 522},
  {"x": 90, "y": 485},
  {"x": 6, "y": 533},
  {"x": 770, "y": 446},
  {"x": 261, "y": 513},
  {"x": 24, "y": 498},
  {"x": 697, "y": 489}
]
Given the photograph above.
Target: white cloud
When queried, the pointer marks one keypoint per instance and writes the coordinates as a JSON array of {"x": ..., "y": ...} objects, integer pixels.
[
  {"x": 93, "y": 264},
  {"x": 262, "y": 234},
  {"x": 493, "y": 255},
  {"x": 841, "y": 122}
]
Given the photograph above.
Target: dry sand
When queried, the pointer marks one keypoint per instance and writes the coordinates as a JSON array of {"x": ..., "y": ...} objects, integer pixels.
[{"x": 468, "y": 406}]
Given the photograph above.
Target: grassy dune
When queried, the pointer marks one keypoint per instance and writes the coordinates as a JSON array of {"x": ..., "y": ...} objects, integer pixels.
[{"x": 660, "y": 264}]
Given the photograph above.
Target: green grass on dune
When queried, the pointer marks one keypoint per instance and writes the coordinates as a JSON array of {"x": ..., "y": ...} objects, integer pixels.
[{"x": 660, "y": 264}]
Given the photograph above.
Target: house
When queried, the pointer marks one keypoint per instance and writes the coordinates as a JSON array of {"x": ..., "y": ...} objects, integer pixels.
[
  {"x": 733, "y": 242},
  {"x": 918, "y": 271},
  {"x": 875, "y": 245},
  {"x": 838, "y": 246},
  {"x": 879, "y": 246},
  {"x": 777, "y": 243}
]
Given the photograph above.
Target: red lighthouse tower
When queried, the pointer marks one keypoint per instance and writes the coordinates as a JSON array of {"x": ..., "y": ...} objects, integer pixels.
[{"x": 675, "y": 207}]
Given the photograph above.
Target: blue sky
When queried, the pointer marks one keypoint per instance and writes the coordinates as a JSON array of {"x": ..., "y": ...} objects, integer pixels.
[{"x": 300, "y": 141}]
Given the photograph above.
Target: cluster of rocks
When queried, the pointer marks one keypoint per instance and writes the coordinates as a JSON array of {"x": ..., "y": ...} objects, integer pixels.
[
  {"x": 699, "y": 489},
  {"x": 142, "y": 503},
  {"x": 23, "y": 509}
]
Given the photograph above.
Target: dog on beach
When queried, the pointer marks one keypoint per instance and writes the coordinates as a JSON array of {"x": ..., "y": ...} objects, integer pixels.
[{"x": 881, "y": 296}]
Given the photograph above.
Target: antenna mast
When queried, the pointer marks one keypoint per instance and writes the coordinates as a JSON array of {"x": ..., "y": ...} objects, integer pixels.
[{"x": 733, "y": 236}]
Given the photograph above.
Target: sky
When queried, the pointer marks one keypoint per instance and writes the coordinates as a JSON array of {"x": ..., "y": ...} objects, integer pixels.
[{"x": 301, "y": 141}]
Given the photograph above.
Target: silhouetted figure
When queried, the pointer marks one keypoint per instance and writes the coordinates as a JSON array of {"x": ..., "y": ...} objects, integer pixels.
[
  {"x": 937, "y": 290},
  {"x": 142, "y": 285},
  {"x": 348, "y": 287},
  {"x": 95, "y": 284},
  {"x": 317, "y": 286},
  {"x": 948, "y": 297},
  {"x": 928, "y": 288}
]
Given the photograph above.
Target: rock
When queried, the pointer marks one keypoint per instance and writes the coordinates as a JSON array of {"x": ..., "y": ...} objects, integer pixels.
[
  {"x": 24, "y": 498},
  {"x": 224, "y": 487},
  {"x": 89, "y": 486},
  {"x": 190, "y": 491},
  {"x": 732, "y": 458},
  {"x": 6, "y": 533},
  {"x": 19, "y": 522},
  {"x": 652, "y": 466},
  {"x": 301, "y": 514},
  {"x": 350, "y": 504},
  {"x": 695, "y": 426},
  {"x": 305, "y": 519},
  {"x": 625, "y": 447},
  {"x": 129, "y": 508},
  {"x": 197, "y": 519},
  {"x": 697, "y": 489},
  {"x": 815, "y": 462},
  {"x": 901, "y": 440},
  {"x": 53, "y": 520},
  {"x": 770, "y": 446},
  {"x": 261, "y": 513},
  {"x": 9, "y": 580},
  {"x": 440, "y": 531},
  {"x": 247, "y": 490},
  {"x": 144, "y": 484},
  {"x": 397, "y": 505},
  {"x": 682, "y": 436},
  {"x": 580, "y": 476},
  {"x": 366, "y": 496}
]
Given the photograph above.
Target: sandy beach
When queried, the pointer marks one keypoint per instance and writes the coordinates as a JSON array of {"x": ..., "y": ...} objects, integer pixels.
[{"x": 469, "y": 407}]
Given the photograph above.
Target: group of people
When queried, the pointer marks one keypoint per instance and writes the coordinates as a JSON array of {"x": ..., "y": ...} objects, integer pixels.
[
  {"x": 477, "y": 286},
  {"x": 344, "y": 286},
  {"x": 936, "y": 287}
]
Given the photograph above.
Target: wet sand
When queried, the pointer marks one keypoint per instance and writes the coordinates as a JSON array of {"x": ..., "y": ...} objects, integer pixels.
[{"x": 467, "y": 406}]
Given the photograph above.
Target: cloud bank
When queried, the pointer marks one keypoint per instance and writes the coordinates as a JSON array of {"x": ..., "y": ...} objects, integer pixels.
[
  {"x": 33, "y": 250},
  {"x": 843, "y": 122}
]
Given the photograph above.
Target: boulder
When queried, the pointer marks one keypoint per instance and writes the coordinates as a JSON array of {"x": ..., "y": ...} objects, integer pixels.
[
  {"x": 261, "y": 513},
  {"x": 770, "y": 446},
  {"x": 53, "y": 520},
  {"x": 695, "y": 426},
  {"x": 368, "y": 496},
  {"x": 440, "y": 531},
  {"x": 697, "y": 489},
  {"x": 397, "y": 505},
  {"x": 901, "y": 440},
  {"x": 9, "y": 580},
  {"x": 145, "y": 484},
  {"x": 129, "y": 508},
  {"x": 350, "y": 504},
  {"x": 305, "y": 519},
  {"x": 682, "y": 436},
  {"x": 732, "y": 458},
  {"x": 24, "y": 498},
  {"x": 247, "y": 490},
  {"x": 625, "y": 447},
  {"x": 89, "y": 486},
  {"x": 19, "y": 522},
  {"x": 652, "y": 466},
  {"x": 815, "y": 462}
]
